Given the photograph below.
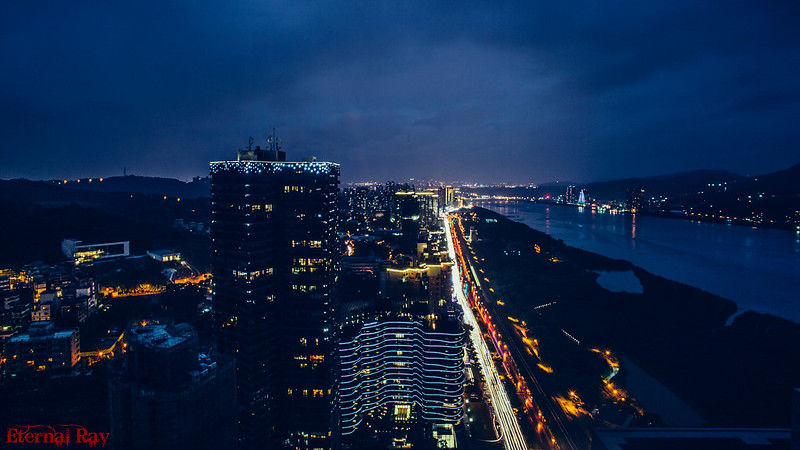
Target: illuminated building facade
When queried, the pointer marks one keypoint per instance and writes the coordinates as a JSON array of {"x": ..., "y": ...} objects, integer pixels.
[
  {"x": 400, "y": 364},
  {"x": 446, "y": 198},
  {"x": 81, "y": 253},
  {"x": 428, "y": 208},
  {"x": 275, "y": 263},
  {"x": 16, "y": 303},
  {"x": 403, "y": 363},
  {"x": 582, "y": 198},
  {"x": 571, "y": 197},
  {"x": 164, "y": 255},
  {"x": 5, "y": 283}
]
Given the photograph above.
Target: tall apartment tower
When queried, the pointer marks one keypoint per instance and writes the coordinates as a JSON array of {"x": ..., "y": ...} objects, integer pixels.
[
  {"x": 275, "y": 259},
  {"x": 570, "y": 196}
]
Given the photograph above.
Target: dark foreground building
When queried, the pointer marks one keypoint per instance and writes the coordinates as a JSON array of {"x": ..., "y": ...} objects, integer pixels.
[
  {"x": 275, "y": 261},
  {"x": 167, "y": 394}
]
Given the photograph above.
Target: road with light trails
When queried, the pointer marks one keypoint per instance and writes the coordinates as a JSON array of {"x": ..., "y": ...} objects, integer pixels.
[
  {"x": 510, "y": 431},
  {"x": 560, "y": 431}
]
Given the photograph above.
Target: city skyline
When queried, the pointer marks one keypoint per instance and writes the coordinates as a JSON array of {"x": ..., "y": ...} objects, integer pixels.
[
  {"x": 385, "y": 316},
  {"x": 520, "y": 93}
]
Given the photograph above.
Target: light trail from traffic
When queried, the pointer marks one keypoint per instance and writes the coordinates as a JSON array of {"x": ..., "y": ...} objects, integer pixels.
[
  {"x": 502, "y": 411},
  {"x": 558, "y": 432}
]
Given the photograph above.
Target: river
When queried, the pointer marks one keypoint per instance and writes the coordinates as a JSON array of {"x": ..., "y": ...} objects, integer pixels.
[{"x": 759, "y": 269}]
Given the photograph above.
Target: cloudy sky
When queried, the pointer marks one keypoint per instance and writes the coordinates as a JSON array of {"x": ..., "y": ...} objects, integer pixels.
[{"x": 528, "y": 91}]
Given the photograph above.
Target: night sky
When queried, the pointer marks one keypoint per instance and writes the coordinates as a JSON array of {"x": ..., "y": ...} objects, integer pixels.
[{"x": 527, "y": 91}]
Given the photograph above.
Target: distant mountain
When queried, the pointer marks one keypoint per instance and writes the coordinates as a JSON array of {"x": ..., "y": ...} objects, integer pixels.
[
  {"x": 37, "y": 215},
  {"x": 197, "y": 188},
  {"x": 516, "y": 191},
  {"x": 670, "y": 185},
  {"x": 23, "y": 191},
  {"x": 134, "y": 205},
  {"x": 784, "y": 182},
  {"x": 771, "y": 199}
]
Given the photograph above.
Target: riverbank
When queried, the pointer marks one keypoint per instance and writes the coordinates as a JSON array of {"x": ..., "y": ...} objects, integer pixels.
[
  {"x": 737, "y": 375},
  {"x": 758, "y": 269},
  {"x": 717, "y": 218}
]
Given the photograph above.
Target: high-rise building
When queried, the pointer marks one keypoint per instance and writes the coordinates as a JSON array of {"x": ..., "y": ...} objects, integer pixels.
[
  {"x": 400, "y": 365},
  {"x": 428, "y": 284},
  {"x": 445, "y": 198},
  {"x": 409, "y": 365},
  {"x": 275, "y": 263},
  {"x": 570, "y": 196}
]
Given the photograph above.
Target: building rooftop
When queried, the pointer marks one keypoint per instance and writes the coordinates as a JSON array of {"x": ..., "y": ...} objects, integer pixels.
[
  {"x": 41, "y": 331},
  {"x": 257, "y": 167},
  {"x": 162, "y": 252},
  {"x": 156, "y": 336}
]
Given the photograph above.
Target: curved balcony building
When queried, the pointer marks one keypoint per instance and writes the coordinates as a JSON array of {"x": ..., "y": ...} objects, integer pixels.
[{"x": 401, "y": 362}]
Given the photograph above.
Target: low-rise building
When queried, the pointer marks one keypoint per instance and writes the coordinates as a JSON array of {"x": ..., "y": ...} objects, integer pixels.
[
  {"x": 80, "y": 253},
  {"x": 164, "y": 255},
  {"x": 42, "y": 349}
]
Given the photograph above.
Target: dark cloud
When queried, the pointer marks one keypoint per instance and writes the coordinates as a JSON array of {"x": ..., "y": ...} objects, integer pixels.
[{"x": 511, "y": 92}]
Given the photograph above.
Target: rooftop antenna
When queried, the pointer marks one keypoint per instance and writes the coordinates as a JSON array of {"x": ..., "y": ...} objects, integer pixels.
[
  {"x": 250, "y": 144},
  {"x": 277, "y": 143}
]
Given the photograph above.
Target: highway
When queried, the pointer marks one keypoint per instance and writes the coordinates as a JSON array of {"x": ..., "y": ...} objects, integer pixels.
[
  {"x": 506, "y": 420},
  {"x": 554, "y": 429},
  {"x": 564, "y": 433}
]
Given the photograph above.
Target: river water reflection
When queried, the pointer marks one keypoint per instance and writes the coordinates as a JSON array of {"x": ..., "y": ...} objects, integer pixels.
[{"x": 758, "y": 269}]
